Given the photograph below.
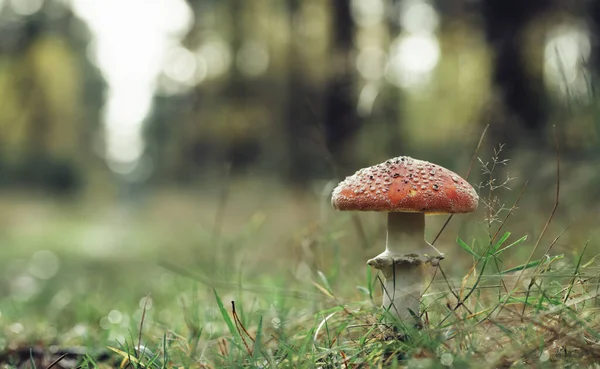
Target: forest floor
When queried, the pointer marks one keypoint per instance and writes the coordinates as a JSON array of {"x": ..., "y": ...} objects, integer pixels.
[{"x": 247, "y": 276}]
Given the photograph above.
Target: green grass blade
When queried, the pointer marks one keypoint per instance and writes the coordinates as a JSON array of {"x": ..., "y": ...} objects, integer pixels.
[
  {"x": 466, "y": 247},
  {"x": 305, "y": 346},
  {"x": 234, "y": 332},
  {"x": 474, "y": 287},
  {"x": 31, "y": 359},
  {"x": 165, "y": 352},
  {"x": 87, "y": 359},
  {"x": 127, "y": 356},
  {"x": 520, "y": 240},
  {"x": 575, "y": 272},
  {"x": 257, "y": 341},
  {"x": 532, "y": 264},
  {"x": 370, "y": 283},
  {"x": 154, "y": 360},
  {"x": 500, "y": 242},
  {"x": 325, "y": 281},
  {"x": 591, "y": 261}
]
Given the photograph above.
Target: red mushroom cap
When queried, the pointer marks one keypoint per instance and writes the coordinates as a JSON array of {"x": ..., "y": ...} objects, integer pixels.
[{"x": 404, "y": 184}]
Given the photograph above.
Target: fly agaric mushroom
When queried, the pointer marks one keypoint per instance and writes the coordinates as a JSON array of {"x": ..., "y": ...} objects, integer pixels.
[{"x": 407, "y": 189}]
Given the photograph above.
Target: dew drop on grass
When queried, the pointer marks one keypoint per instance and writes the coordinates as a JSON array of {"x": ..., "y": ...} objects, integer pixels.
[{"x": 446, "y": 359}]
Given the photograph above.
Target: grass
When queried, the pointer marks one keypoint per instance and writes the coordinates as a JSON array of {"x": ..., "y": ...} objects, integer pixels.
[{"x": 282, "y": 283}]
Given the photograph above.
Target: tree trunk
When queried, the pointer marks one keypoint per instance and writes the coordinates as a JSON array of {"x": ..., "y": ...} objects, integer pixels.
[
  {"x": 594, "y": 22},
  {"x": 341, "y": 120},
  {"x": 304, "y": 110},
  {"x": 519, "y": 114}
]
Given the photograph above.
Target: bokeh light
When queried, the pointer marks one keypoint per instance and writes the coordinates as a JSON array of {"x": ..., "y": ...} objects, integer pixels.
[
  {"x": 367, "y": 13},
  {"x": 217, "y": 57},
  {"x": 412, "y": 60},
  {"x": 253, "y": 58},
  {"x": 26, "y": 7},
  {"x": 566, "y": 53},
  {"x": 130, "y": 58},
  {"x": 418, "y": 16}
]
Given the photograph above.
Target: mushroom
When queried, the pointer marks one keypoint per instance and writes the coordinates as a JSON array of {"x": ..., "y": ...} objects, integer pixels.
[{"x": 407, "y": 189}]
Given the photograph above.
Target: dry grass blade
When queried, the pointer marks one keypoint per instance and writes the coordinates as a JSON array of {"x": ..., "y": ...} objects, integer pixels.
[
  {"x": 435, "y": 271},
  {"x": 387, "y": 293},
  {"x": 238, "y": 325},
  {"x": 467, "y": 178},
  {"x": 509, "y": 213},
  {"x": 575, "y": 274},
  {"x": 139, "y": 347},
  {"x": 536, "y": 271},
  {"x": 239, "y": 322},
  {"x": 223, "y": 347},
  {"x": 556, "y": 202},
  {"x": 321, "y": 325},
  {"x": 474, "y": 267},
  {"x": 569, "y": 332},
  {"x": 58, "y": 360}
]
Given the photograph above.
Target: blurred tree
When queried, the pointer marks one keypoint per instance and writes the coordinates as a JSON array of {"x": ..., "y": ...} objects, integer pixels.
[
  {"x": 340, "y": 116},
  {"x": 304, "y": 102},
  {"x": 44, "y": 106},
  {"x": 379, "y": 101},
  {"x": 246, "y": 93},
  {"x": 519, "y": 115},
  {"x": 322, "y": 121},
  {"x": 390, "y": 112},
  {"x": 593, "y": 17},
  {"x": 227, "y": 116}
]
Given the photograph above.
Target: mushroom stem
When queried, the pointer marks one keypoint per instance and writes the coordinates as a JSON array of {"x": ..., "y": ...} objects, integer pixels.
[
  {"x": 406, "y": 234},
  {"x": 406, "y": 250}
]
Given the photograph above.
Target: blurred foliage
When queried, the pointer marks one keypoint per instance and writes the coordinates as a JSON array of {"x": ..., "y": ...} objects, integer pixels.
[
  {"x": 300, "y": 90},
  {"x": 51, "y": 95}
]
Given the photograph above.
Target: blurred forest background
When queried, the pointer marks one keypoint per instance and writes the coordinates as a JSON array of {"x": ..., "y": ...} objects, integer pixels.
[
  {"x": 210, "y": 133},
  {"x": 137, "y": 93}
]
